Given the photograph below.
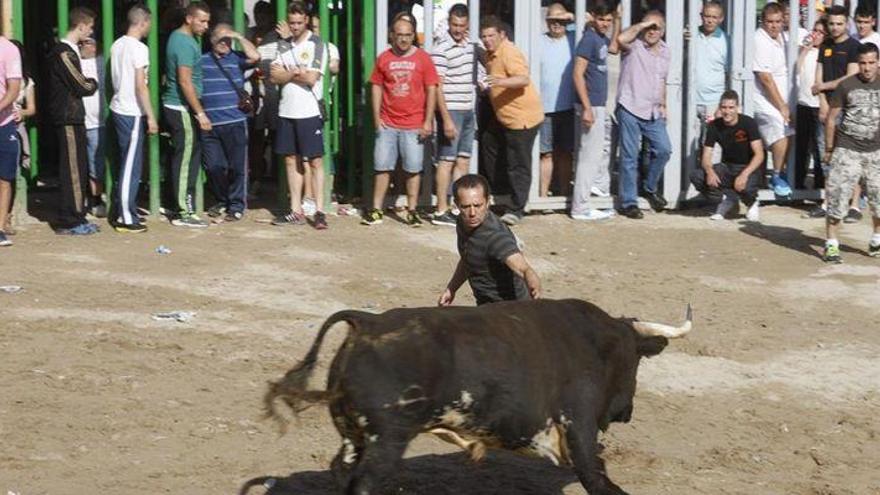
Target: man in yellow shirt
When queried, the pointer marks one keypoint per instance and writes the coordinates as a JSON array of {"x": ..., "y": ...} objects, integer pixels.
[{"x": 518, "y": 109}]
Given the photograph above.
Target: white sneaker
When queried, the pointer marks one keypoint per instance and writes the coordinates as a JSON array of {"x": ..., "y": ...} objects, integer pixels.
[
  {"x": 727, "y": 204},
  {"x": 592, "y": 215},
  {"x": 753, "y": 214},
  {"x": 595, "y": 191},
  {"x": 309, "y": 207}
]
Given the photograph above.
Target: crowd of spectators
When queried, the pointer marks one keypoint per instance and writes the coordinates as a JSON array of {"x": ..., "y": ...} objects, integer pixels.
[{"x": 247, "y": 91}]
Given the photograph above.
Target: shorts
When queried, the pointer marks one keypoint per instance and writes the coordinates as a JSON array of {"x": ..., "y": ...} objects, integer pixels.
[
  {"x": 463, "y": 144},
  {"x": 405, "y": 143},
  {"x": 771, "y": 127},
  {"x": 95, "y": 153},
  {"x": 300, "y": 137},
  {"x": 557, "y": 132},
  {"x": 10, "y": 151},
  {"x": 848, "y": 167}
]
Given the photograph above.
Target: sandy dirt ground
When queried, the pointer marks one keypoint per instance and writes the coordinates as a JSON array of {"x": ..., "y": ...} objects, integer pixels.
[{"x": 776, "y": 391}]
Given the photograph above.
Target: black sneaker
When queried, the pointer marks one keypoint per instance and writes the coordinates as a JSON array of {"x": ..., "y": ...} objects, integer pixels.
[
  {"x": 234, "y": 216},
  {"x": 134, "y": 228},
  {"x": 445, "y": 218},
  {"x": 216, "y": 211},
  {"x": 632, "y": 212},
  {"x": 412, "y": 219},
  {"x": 320, "y": 220},
  {"x": 816, "y": 212},
  {"x": 4, "y": 241},
  {"x": 874, "y": 250},
  {"x": 292, "y": 218},
  {"x": 373, "y": 217},
  {"x": 853, "y": 216},
  {"x": 191, "y": 220},
  {"x": 657, "y": 202}
]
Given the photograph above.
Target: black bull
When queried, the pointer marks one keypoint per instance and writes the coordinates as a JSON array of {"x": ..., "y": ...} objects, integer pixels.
[{"x": 540, "y": 377}]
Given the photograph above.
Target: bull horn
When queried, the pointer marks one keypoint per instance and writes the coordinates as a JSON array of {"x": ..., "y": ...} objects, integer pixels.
[{"x": 649, "y": 329}]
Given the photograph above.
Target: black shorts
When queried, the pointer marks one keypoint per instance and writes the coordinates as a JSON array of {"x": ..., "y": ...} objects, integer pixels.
[
  {"x": 10, "y": 151},
  {"x": 300, "y": 137}
]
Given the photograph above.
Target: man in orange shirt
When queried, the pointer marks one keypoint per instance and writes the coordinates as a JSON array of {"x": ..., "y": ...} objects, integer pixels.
[{"x": 518, "y": 109}]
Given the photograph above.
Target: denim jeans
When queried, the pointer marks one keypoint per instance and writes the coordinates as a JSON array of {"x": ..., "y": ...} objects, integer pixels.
[
  {"x": 632, "y": 129},
  {"x": 392, "y": 143}
]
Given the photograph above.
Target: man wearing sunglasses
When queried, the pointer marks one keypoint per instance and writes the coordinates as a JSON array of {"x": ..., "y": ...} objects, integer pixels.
[{"x": 557, "y": 98}]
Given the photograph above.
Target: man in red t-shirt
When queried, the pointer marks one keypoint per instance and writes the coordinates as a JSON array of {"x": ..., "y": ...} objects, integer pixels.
[{"x": 404, "y": 93}]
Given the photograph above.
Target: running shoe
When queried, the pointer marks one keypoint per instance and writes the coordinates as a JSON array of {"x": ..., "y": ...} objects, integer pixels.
[
  {"x": 292, "y": 218},
  {"x": 816, "y": 212},
  {"x": 320, "y": 220},
  {"x": 853, "y": 216},
  {"x": 725, "y": 207},
  {"x": 373, "y": 217},
  {"x": 780, "y": 186},
  {"x": 216, "y": 211},
  {"x": 191, "y": 221},
  {"x": 445, "y": 218},
  {"x": 4, "y": 241},
  {"x": 412, "y": 219},
  {"x": 134, "y": 228},
  {"x": 753, "y": 214},
  {"x": 81, "y": 229},
  {"x": 593, "y": 215},
  {"x": 233, "y": 216},
  {"x": 832, "y": 254},
  {"x": 874, "y": 250},
  {"x": 510, "y": 218}
]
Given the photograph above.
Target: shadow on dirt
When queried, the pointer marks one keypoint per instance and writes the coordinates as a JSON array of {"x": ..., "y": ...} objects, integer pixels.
[{"x": 452, "y": 474}]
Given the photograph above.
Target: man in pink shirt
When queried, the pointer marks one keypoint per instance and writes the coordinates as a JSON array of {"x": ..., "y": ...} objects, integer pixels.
[
  {"x": 10, "y": 85},
  {"x": 404, "y": 94}
]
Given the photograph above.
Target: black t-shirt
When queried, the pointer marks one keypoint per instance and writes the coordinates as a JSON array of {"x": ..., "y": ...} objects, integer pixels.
[
  {"x": 834, "y": 58},
  {"x": 735, "y": 140},
  {"x": 484, "y": 251},
  {"x": 859, "y": 128}
]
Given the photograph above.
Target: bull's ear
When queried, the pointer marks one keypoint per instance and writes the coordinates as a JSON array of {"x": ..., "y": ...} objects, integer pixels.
[{"x": 651, "y": 346}]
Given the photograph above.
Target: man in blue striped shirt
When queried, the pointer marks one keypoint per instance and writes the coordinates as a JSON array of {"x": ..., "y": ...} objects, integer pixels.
[{"x": 224, "y": 147}]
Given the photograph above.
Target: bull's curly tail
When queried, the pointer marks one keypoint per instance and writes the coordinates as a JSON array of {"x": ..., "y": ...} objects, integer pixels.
[{"x": 292, "y": 387}]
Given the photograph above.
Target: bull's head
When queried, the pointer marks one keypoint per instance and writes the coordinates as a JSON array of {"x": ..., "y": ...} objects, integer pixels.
[{"x": 651, "y": 339}]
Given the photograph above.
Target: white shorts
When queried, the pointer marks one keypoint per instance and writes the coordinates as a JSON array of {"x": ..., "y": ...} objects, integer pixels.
[{"x": 772, "y": 127}]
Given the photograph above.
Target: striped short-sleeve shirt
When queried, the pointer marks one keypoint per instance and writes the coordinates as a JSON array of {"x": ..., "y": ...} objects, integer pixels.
[
  {"x": 455, "y": 66},
  {"x": 219, "y": 97}
]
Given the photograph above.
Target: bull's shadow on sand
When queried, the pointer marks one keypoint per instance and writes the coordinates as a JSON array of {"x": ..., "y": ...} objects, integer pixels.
[
  {"x": 792, "y": 238},
  {"x": 453, "y": 474}
]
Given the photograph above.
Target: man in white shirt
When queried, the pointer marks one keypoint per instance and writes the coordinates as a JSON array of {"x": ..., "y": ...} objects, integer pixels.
[
  {"x": 771, "y": 93},
  {"x": 865, "y": 20},
  {"x": 129, "y": 61},
  {"x": 300, "y": 135},
  {"x": 93, "y": 66}
]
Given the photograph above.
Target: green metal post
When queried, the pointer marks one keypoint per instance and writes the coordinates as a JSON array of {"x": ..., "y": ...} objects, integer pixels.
[
  {"x": 324, "y": 13},
  {"x": 334, "y": 35},
  {"x": 153, "y": 42},
  {"x": 238, "y": 15},
  {"x": 21, "y": 183},
  {"x": 108, "y": 32},
  {"x": 350, "y": 120},
  {"x": 63, "y": 17},
  {"x": 281, "y": 189},
  {"x": 368, "y": 42}
]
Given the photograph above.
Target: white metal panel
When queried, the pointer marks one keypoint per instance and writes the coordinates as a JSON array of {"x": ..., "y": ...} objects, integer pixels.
[
  {"x": 428, "y": 25},
  {"x": 381, "y": 26},
  {"x": 675, "y": 43},
  {"x": 474, "y": 18},
  {"x": 793, "y": 47},
  {"x": 691, "y": 122}
]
